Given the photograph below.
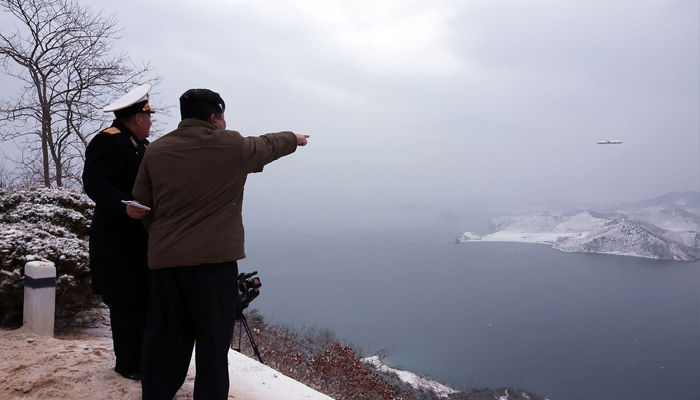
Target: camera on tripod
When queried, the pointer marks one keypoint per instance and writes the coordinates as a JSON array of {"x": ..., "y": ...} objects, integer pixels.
[
  {"x": 248, "y": 290},
  {"x": 248, "y": 287}
]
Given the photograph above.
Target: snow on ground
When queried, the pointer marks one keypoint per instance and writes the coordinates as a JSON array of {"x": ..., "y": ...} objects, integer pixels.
[
  {"x": 414, "y": 380},
  {"x": 672, "y": 220},
  {"x": 519, "y": 237},
  {"x": 37, "y": 367},
  {"x": 255, "y": 381},
  {"x": 80, "y": 366}
]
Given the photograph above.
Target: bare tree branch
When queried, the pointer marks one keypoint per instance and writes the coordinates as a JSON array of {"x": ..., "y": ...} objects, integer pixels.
[{"x": 61, "y": 52}]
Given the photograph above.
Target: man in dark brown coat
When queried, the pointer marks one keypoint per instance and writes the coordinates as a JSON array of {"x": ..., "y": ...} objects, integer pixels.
[{"x": 193, "y": 180}]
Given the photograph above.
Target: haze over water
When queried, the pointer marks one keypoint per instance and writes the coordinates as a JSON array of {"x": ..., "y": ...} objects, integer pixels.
[
  {"x": 436, "y": 104},
  {"x": 562, "y": 325}
]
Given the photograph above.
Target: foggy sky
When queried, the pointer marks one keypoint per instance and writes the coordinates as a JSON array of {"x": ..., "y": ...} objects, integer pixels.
[{"x": 442, "y": 104}]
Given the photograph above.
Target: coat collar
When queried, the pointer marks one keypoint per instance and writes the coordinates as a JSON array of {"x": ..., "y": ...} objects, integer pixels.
[
  {"x": 194, "y": 122},
  {"x": 132, "y": 137}
]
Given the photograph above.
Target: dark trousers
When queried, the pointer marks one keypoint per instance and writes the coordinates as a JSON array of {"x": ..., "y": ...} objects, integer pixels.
[
  {"x": 128, "y": 324},
  {"x": 190, "y": 306}
]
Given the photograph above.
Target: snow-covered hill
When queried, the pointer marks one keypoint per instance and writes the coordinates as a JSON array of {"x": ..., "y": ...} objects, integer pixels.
[
  {"x": 650, "y": 233},
  {"x": 688, "y": 201},
  {"x": 414, "y": 380}
]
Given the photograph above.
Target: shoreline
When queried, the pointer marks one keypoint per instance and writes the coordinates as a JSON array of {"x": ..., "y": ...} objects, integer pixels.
[
  {"x": 415, "y": 380},
  {"x": 554, "y": 240}
]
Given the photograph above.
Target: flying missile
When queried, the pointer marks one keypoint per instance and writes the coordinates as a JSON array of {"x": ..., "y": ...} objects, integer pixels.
[{"x": 610, "y": 142}]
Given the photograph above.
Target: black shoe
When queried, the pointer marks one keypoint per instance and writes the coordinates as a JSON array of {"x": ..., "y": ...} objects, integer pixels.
[{"x": 134, "y": 376}]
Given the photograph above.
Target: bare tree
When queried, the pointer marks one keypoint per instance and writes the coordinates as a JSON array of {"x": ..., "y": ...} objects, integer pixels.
[
  {"x": 7, "y": 180},
  {"x": 61, "y": 53}
]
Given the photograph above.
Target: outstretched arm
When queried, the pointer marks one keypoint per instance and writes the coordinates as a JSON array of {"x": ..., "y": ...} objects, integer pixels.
[{"x": 259, "y": 151}]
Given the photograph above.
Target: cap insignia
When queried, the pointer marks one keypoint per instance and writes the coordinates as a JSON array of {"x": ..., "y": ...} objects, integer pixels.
[{"x": 147, "y": 107}]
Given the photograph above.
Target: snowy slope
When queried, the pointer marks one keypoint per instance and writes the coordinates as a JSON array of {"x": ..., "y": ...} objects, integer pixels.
[
  {"x": 688, "y": 201},
  {"x": 649, "y": 233},
  {"x": 629, "y": 238},
  {"x": 414, "y": 380}
]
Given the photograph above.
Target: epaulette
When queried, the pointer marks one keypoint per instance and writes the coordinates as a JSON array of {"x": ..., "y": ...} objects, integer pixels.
[{"x": 111, "y": 130}]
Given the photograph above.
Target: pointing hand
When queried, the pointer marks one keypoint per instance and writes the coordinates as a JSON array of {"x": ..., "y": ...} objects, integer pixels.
[{"x": 301, "y": 140}]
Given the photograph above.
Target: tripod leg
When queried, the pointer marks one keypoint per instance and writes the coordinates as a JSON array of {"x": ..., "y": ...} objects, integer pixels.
[{"x": 250, "y": 338}]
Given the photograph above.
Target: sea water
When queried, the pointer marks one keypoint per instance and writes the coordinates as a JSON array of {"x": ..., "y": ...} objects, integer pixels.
[{"x": 566, "y": 326}]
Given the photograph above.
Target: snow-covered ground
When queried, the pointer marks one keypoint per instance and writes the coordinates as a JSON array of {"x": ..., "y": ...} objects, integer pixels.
[
  {"x": 81, "y": 367},
  {"x": 250, "y": 378},
  {"x": 409, "y": 377}
]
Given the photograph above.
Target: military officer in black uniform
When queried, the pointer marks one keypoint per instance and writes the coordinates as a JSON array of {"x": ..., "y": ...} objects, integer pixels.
[{"x": 118, "y": 243}]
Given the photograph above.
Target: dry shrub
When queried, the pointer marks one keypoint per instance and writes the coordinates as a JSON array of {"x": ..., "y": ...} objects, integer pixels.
[
  {"x": 343, "y": 375},
  {"x": 330, "y": 368}
]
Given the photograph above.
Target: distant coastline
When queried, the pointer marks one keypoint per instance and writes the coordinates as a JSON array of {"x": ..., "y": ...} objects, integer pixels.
[
  {"x": 411, "y": 378},
  {"x": 658, "y": 229}
]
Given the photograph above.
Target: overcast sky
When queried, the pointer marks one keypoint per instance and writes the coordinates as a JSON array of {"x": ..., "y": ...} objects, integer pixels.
[{"x": 437, "y": 104}]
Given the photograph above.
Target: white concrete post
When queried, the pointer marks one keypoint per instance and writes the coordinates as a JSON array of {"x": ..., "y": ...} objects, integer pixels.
[{"x": 40, "y": 297}]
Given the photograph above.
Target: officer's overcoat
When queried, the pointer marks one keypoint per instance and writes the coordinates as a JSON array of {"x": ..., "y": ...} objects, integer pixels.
[{"x": 118, "y": 243}]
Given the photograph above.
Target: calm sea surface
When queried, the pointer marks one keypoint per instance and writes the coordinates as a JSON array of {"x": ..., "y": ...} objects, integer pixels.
[{"x": 566, "y": 326}]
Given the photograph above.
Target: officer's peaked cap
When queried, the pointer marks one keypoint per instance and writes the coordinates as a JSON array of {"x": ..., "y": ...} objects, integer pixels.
[{"x": 134, "y": 102}]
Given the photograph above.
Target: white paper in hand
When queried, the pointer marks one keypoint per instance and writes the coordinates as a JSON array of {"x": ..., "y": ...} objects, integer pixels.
[{"x": 135, "y": 204}]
